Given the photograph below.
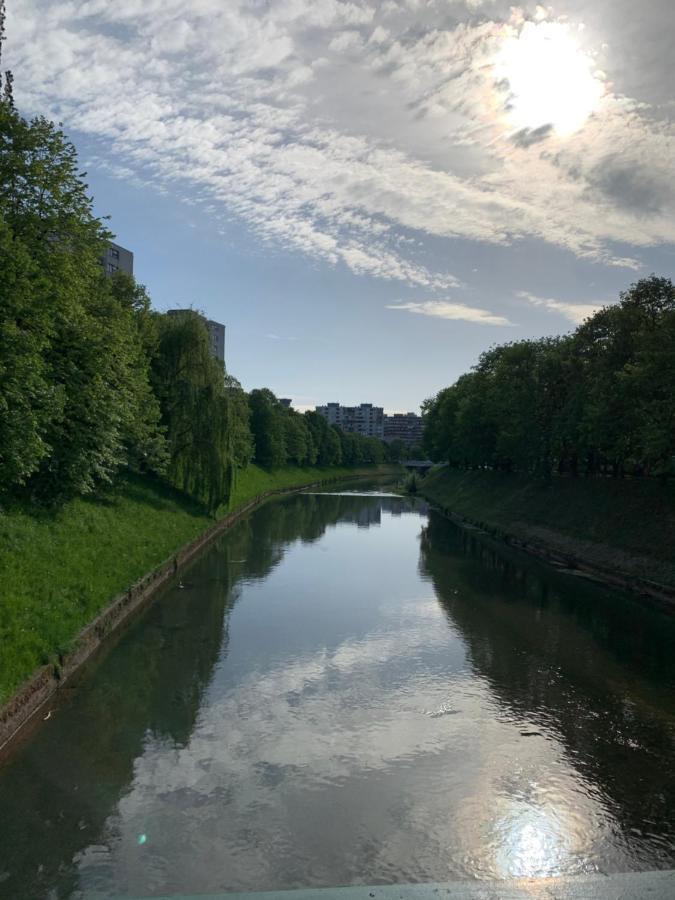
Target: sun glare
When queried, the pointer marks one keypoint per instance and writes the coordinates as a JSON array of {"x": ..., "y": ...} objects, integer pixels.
[
  {"x": 551, "y": 79},
  {"x": 533, "y": 843}
]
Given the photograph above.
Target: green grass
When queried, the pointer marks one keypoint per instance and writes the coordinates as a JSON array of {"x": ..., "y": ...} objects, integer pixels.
[
  {"x": 59, "y": 570},
  {"x": 626, "y": 524}
]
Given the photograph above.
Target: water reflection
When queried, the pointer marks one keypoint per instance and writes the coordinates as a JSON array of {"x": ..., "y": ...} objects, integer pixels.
[
  {"x": 580, "y": 665},
  {"x": 348, "y": 690}
]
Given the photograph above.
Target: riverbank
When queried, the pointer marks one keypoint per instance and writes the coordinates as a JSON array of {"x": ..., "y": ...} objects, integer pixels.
[
  {"x": 620, "y": 531},
  {"x": 60, "y": 569}
]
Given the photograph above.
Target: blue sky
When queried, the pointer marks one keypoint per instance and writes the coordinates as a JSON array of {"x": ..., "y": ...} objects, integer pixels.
[{"x": 368, "y": 194}]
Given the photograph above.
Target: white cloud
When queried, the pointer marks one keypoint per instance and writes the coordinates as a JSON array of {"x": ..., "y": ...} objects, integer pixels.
[
  {"x": 379, "y": 35},
  {"x": 399, "y": 130},
  {"x": 575, "y": 312},
  {"x": 443, "y": 309},
  {"x": 345, "y": 40}
]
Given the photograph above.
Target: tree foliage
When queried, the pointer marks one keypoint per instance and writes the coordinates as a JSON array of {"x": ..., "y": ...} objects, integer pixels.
[
  {"x": 598, "y": 401},
  {"x": 92, "y": 380},
  {"x": 282, "y": 436},
  {"x": 74, "y": 391},
  {"x": 205, "y": 420}
]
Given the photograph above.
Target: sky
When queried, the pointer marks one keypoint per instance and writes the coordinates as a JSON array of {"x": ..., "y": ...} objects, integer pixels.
[{"x": 367, "y": 195}]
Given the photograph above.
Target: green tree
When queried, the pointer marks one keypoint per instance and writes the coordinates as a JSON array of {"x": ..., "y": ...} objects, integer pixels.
[
  {"x": 647, "y": 383},
  {"x": 198, "y": 411},
  {"x": 28, "y": 401},
  {"x": 87, "y": 400},
  {"x": 599, "y": 400},
  {"x": 609, "y": 344},
  {"x": 330, "y": 453},
  {"x": 240, "y": 437},
  {"x": 397, "y": 450},
  {"x": 296, "y": 437},
  {"x": 268, "y": 428}
]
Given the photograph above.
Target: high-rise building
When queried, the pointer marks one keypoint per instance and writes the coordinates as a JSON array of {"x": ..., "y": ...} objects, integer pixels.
[
  {"x": 117, "y": 259},
  {"x": 406, "y": 427},
  {"x": 217, "y": 337},
  {"x": 365, "y": 419},
  {"x": 215, "y": 329},
  {"x": 285, "y": 401}
]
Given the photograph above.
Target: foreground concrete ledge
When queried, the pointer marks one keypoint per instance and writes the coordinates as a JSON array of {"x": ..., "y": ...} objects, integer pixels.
[{"x": 629, "y": 886}]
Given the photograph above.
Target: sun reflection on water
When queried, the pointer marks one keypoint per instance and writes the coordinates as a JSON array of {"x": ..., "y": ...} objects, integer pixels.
[{"x": 531, "y": 843}]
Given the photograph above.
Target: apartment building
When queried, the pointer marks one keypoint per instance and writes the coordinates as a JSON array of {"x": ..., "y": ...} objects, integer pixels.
[
  {"x": 406, "y": 427},
  {"x": 117, "y": 259},
  {"x": 365, "y": 419}
]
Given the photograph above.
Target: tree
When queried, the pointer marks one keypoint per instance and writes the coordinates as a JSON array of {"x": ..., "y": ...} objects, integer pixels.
[
  {"x": 330, "y": 453},
  {"x": 397, "y": 450},
  {"x": 296, "y": 437},
  {"x": 647, "y": 383},
  {"x": 599, "y": 400},
  {"x": 609, "y": 344},
  {"x": 374, "y": 450},
  {"x": 199, "y": 411},
  {"x": 28, "y": 401},
  {"x": 84, "y": 398},
  {"x": 268, "y": 428},
  {"x": 240, "y": 437}
]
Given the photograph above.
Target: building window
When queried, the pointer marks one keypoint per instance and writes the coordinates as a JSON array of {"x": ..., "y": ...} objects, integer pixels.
[
  {"x": 112, "y": 268},
  {"x": 114, "y": 253}
]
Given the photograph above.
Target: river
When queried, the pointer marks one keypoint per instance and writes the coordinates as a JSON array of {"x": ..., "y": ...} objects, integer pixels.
[{"x": 350, "y": 689}]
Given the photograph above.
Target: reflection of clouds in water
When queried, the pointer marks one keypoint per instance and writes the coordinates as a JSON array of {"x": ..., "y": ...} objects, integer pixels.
[{"x": 334, "y": 750}]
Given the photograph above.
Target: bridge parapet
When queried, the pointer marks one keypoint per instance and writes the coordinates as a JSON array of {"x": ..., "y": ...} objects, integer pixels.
[{"x": 658, "y": 885}]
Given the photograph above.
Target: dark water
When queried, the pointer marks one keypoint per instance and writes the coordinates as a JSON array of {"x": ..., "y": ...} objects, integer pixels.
[{"x": 351, "y": 690}]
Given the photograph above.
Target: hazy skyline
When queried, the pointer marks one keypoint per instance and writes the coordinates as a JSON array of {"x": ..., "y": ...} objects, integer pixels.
[{"x": 367, "y": 195}]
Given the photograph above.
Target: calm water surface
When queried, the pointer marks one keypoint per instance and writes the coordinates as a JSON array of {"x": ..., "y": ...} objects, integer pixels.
[{"x": 349, "y": 689}]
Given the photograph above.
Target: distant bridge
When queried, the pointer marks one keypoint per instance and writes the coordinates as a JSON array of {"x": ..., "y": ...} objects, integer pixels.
[{"x": 420, "y": 466}]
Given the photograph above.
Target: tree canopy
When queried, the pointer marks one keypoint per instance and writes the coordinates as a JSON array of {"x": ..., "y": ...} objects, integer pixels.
[
  {"x": 598, "y": 401},
  {"x": 75, "y": 396},
  {"x": 92, "y": 380}
]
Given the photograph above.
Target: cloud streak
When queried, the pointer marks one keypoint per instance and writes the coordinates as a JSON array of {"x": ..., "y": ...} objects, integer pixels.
[
  {"x": 444, "y": 309},
  {"x": 575, "y": 312}
]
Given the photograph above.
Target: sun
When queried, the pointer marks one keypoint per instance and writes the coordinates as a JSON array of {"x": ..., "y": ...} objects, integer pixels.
[{"x": 550, "y": 78}]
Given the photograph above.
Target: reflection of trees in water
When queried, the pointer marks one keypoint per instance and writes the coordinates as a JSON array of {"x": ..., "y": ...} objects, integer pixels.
[
  {"x": 593, "y": 666},
  {"x": 305, "y": 518},
  {"x": 60, "y": 791}
]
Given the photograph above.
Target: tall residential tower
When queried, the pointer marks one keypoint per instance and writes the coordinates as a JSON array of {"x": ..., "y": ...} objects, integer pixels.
[{"x": 364, "y": 419}]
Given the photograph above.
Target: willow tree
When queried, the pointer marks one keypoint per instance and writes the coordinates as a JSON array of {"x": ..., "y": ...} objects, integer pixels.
[{"x": 205, "y": 415}]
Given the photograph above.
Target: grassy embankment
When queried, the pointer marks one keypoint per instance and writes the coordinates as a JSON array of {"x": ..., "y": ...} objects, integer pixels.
[
  {"x": 625, "y": 526},
  {"x": 58, "y": 570}
]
